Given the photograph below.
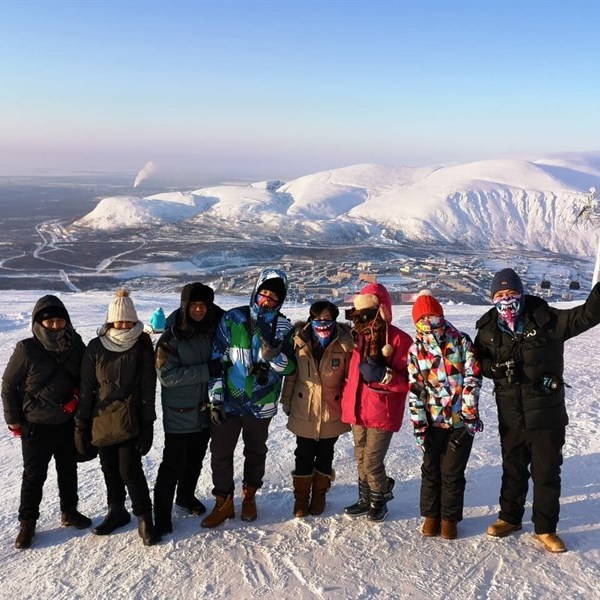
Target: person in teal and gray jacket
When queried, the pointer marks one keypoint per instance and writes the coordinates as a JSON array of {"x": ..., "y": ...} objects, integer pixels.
[
  {"x": 256, "y": 350},
  {"x": 184, "y": 366}
]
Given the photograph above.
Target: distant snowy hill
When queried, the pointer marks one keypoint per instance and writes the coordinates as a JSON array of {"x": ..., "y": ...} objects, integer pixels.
[{"x": 491, "y": 203}]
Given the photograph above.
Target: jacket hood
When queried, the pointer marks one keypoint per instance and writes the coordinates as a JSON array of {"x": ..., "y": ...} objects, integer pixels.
[
  {"x": 383, "y": 298},
  {"x": 271, "y": 274},
  {"x": 46, "y": 302}
]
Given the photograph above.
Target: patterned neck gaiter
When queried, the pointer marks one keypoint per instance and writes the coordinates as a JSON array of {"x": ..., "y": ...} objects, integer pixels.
[{"x": 509, "y": 311}]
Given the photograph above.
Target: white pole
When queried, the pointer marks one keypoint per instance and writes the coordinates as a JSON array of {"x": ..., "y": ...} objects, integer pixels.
[{"x": 596, "y": 277}]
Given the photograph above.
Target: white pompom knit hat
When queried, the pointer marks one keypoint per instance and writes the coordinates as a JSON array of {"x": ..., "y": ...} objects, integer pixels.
[{"x": 121, "y": 308}]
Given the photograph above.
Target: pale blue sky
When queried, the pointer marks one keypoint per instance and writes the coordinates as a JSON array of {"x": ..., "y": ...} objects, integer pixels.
[{"x": 284, "y": 88}]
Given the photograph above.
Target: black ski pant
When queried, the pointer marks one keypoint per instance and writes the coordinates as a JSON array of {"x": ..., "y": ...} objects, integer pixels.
[
  {"x": 224, "y": 438},
  {"x": 443, "y": 473},
  {"x": 180, "y": 468},
  {"x": 314, "y": 455},
  {"x": 122, "y": 468},
  {"x": 39, "y": 443},
  {"x": 539, "y": 452}
]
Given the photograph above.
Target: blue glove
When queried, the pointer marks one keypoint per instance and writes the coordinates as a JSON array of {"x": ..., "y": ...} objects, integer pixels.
[{"x": 372, "y": 371}]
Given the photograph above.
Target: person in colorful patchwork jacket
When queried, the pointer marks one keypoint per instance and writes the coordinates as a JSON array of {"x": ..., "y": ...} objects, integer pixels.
[
  {"x": 255, "y": 346},
  {"x": 444, "y": 378}
]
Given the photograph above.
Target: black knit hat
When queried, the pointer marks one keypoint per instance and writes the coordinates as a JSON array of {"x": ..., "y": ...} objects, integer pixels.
[
  {"x": 52, "y": 312},
  {"x": 320, "y": 305},
  {"x": 197, "y": 292},
  {"x": 275, "y": 285},
  {"x": 506, "y": 279}
]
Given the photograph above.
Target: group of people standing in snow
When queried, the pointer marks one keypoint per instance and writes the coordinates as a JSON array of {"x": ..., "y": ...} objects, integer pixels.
[{"x": 223, "y": 374}]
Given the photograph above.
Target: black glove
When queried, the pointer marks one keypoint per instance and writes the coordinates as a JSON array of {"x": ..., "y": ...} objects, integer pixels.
[
  {"x": 372, "y": 371},
  {"x": 143, "y": 443},
  {"x": 217, "y": 413},
  {"x": 267, "y": 351},
  {"x": 214, "y": 367},
  {"x": 505, "y": 370},
  {"x": 83, "y": 438}
]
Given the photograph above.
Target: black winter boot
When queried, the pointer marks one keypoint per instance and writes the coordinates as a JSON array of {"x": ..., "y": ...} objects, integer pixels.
[
  {"x": 25, "y": 535},
  {"x": 361, "y": 506},
  {"x": 75, "y": 519},
  {"x": 379, "y": 500},
  {"x": 147, "y": 530},
  {"x": 193, "y": 506},
  {"x": 116, "y": 517}
]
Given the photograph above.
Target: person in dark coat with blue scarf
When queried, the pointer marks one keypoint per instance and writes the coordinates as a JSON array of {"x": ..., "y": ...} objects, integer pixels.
[{"x": 520, "y": 343}]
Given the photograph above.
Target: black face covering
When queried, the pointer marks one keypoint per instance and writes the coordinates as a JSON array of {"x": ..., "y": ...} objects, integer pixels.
[{"x": 53, "y": 340}]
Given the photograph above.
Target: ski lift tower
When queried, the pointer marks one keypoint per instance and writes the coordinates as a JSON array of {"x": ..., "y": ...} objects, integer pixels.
[{"x": 591, "y": 212}]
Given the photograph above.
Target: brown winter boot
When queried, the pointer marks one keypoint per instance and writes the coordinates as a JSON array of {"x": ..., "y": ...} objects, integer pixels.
[
  {"x": 449, "y": 530},
  {"x": 25, "y": 535},
  {"x": 431, "y": 527},
  {"x": 249, "y": 512},
  {"x": 501, "y": 528},
  {"x": 302, "y": 485},
  {"x": 551, "y": 542},
  {"x": 321, "y": 485},
  {"x": 222, "y": 511}
]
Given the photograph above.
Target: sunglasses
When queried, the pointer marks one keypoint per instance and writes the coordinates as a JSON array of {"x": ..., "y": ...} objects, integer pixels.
[{"x": 364, "y": 315}]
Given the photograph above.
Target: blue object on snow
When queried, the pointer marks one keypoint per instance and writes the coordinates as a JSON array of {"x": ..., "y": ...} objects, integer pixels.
[{"x": 158, "y": 320}]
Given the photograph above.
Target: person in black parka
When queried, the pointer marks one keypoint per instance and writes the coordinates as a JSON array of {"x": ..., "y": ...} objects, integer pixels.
[
  {"x": 184, "y": 366},
  {"x": 520, "y": 343},
  {"x": 39, "y": 395},
  {"x": 118, "y": 364}
]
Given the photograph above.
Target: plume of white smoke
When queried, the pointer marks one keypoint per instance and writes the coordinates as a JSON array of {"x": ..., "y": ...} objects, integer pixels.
[{"x": 145, "y": 172}]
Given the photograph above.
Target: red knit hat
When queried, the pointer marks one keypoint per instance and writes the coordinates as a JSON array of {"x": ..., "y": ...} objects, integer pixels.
[{"x": 426, "y": 304}]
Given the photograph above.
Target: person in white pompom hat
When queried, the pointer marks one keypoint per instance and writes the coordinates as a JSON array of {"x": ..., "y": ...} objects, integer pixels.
[
  {"x": 118, "y": 366},
  {"x": 374, "y": 396}
]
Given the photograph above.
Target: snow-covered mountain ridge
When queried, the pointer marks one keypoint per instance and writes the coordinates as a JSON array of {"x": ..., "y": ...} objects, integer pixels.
[{"x": 531, "y": 204}]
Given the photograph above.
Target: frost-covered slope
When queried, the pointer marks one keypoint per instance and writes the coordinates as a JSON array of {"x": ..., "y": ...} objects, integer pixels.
[
  {"x": 529, "y": 204},
  {"x": 330, "y": 557}
]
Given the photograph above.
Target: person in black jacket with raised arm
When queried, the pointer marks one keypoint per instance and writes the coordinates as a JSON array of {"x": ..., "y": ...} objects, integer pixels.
[
  {"x": 39, "y": 395},
  {"x": 117, "y": 367},
  {"x": 520, "y": 343}
]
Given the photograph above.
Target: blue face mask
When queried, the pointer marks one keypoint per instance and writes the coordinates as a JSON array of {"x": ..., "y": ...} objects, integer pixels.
[{"x": 322, "y": 330}]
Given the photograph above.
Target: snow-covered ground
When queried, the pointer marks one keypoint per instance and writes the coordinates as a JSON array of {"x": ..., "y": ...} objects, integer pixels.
[{"x": 330, "y": 556}]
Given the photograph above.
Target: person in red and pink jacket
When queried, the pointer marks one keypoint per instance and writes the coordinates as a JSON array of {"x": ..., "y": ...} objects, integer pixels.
[{"x": 374, "y": 396}]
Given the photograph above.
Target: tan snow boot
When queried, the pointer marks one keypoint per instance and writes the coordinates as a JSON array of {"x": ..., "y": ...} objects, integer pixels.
[
  {"x": 502, "y": 528},
  {"x": 551, "y": 542}
]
